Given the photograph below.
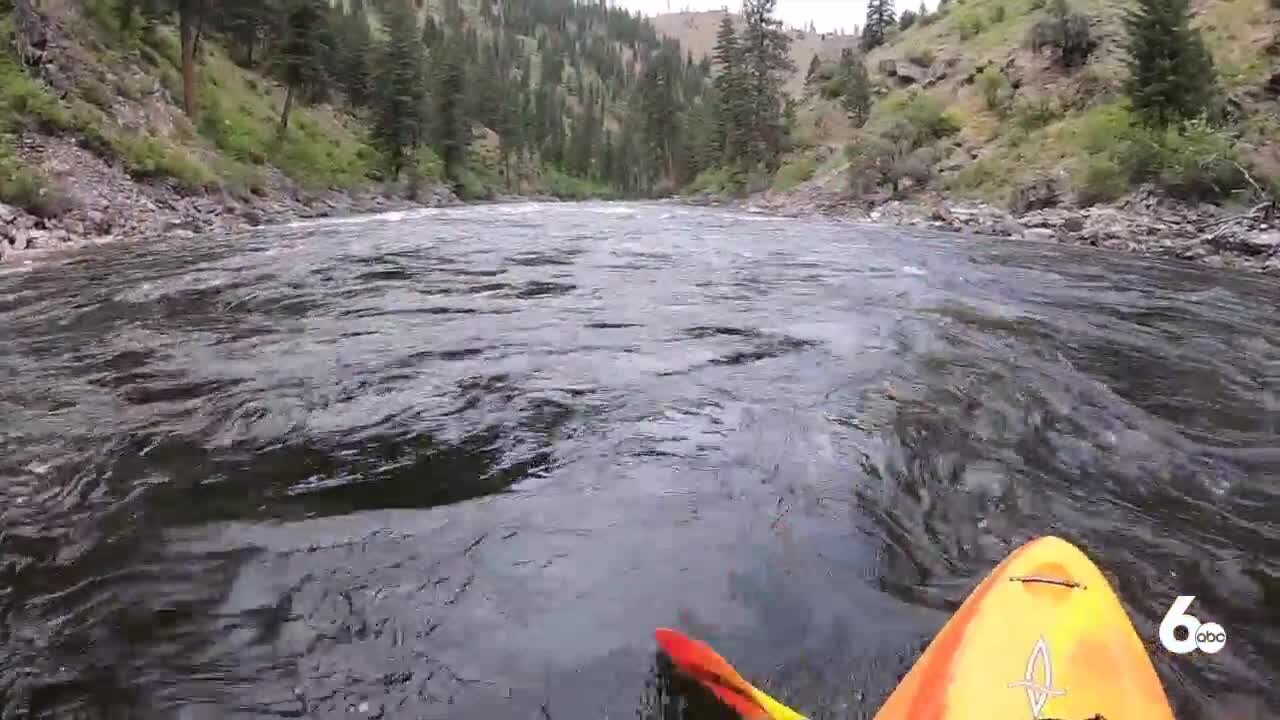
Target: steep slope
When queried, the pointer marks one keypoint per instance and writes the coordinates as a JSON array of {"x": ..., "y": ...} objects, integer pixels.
[
  {"x": 551, "y": 97},
  {"x": 93, "y": 144},
  {"x": 696, "y": 32},
  {"x": 1044, "y": 125}
]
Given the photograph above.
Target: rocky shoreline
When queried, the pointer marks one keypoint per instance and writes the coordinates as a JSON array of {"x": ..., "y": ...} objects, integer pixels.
[
  {"x": 1144, "y": 224},
  {"x": 98, "y": 203}
]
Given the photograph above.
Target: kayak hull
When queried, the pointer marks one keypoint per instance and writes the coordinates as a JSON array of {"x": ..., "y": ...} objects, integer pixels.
[{"x": 1043, "y": 636}]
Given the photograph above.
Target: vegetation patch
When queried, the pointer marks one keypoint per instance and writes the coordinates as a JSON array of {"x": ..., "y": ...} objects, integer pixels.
[
  {"x": 568, "y": 187},
  {"x": 793, "y": 173}
]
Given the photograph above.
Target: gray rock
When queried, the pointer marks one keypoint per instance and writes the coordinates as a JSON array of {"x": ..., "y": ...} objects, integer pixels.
[
  {"x": 1039, "y": 194},
  {"x": 1040, "y": 235},
  {"x": 1248, "y": 243},
  {"x": 98, "y": 223}
]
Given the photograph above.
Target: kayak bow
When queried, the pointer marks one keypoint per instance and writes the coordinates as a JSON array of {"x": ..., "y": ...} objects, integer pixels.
[{"x": 1043, "y": 636}]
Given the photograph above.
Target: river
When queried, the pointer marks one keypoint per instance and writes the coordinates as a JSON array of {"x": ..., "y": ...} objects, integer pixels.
[{"x": 460, "y": 463}]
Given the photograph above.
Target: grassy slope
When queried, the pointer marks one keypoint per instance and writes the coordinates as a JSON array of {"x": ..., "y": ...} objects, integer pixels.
[
  {"x": 994, "y": 154},
  {"x": 1010, "y": 153},
  {"x": 232, "y": 144}
]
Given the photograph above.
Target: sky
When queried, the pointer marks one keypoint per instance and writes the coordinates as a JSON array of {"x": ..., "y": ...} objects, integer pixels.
[{"x": 827, "y": 15}]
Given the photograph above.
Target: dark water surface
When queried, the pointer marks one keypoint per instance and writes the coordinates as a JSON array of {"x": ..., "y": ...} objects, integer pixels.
[{"x": 462, "y": 463}]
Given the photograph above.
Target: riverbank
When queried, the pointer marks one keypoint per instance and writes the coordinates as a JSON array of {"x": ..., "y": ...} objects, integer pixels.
[
  {"x": 1143, "y": 223},
  {"x": 98, "y": 202}
]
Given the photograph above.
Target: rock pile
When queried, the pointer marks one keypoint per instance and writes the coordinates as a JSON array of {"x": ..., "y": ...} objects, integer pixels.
[{"x": 103, "y": 203}]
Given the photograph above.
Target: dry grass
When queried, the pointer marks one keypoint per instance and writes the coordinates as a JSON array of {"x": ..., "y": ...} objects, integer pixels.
[{"x": 696, "y": 32}]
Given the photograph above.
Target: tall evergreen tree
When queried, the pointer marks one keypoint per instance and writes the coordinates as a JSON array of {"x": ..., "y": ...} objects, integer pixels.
[
  {"x": 1171, "y": 73},
  {"x": 400, "y": 88},
  {"x": 353, "y": 57},
  {"x": 766, "y": 53},
  {"x": 880, "y": 17},
  {"x": 856, "y": 96},
  {"x": 246, "y": 24},
  {"x": 452, "y": 124},
  {"x": 301, "y": 51},
  {"x": 731, "y": 125}
]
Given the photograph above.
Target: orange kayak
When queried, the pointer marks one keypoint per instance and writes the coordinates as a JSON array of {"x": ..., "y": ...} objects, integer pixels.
[{"x": 1043, "y": 636}]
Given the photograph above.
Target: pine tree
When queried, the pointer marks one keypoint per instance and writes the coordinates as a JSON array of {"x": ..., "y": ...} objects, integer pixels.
[
  {"x": 880, "y": 17},
  {"x": 301, "y": 52},
  {"x": 452, "y": 125},
  {"x": 856, "y": 97},
  {"x": 353, "y": 58},
  {"x": 731, "y": 128},
  {"x": 1171, "y": 73},
  {"x": 246, "y": 24},
  {"x": 766, "y": 54},
  {"x": 400, "y": 88}
]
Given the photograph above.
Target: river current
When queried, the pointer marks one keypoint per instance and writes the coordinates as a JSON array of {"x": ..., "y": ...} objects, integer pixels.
[{"x": 460, "y": 463}]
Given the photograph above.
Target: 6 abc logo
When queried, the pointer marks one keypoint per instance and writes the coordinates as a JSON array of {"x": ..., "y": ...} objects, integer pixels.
[{"x": 1207, "y": 637}]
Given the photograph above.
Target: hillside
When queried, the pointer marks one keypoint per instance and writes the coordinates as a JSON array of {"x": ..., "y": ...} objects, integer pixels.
[
  {"x": 1015, "y": 113},
  {"x": 945, "y": 57},
  {"x": 696, "y": 32},
  {"x": 310, "y": 107}
]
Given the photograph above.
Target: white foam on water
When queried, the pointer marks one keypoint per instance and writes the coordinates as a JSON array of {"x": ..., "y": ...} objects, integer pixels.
[
  {"x": 913, "y": 270},
  {"x": 395, "y": 216}
]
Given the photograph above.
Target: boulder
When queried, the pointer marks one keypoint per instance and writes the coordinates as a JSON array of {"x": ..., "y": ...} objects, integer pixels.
[
  {"x": 1265, "y": 244},
  {"x": 1040, "y": 235},
  {"x": 1039, "y": 194},
  {"x": 98, "y": 223},
  {"x": 904, "y": 73}
]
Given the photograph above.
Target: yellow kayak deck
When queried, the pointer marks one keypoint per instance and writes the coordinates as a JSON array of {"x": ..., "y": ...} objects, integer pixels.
[{"x": 1043, "y": 636}]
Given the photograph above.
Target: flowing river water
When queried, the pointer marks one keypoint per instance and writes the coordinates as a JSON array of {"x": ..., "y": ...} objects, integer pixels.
[{"x": 460, "y": 463}]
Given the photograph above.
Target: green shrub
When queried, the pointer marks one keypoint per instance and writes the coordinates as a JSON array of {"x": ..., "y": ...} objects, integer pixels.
[
  {"x": 568, "y": 187},
  {"x": 97, "y": 93},
  {"x": 151, "y": 157},
  {"x": 1098, "y": 178},
  {"x": 907, "y": 19},
  {"x": 928, "y": 119},
  {"x": 983, "y": 172},
  {"x": 1065, "y": 33},
  {"x": 1031, "y": 114},
  {"x": 873, "y": 161},
  {"x": 832, "y": 88},
  {"x": 23, "y": 99},
  {"x": 969, "y": 26},
  {"x": 922, "y": 57},
  {"x": 243, "y": 181},
  {"x": 794, "y": 172},
  {"x": 997, "y": 14},
  {"x": 715, "y": 180},
  {"x": 1193, "y": 161},
  {"x": 995, "y": 88},
  {"x": 172, "y": 81},
  {"x": 237, "y": 134},
  {"x": 27, "y": 188},
  {"x": 1197, "y": 162}
]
